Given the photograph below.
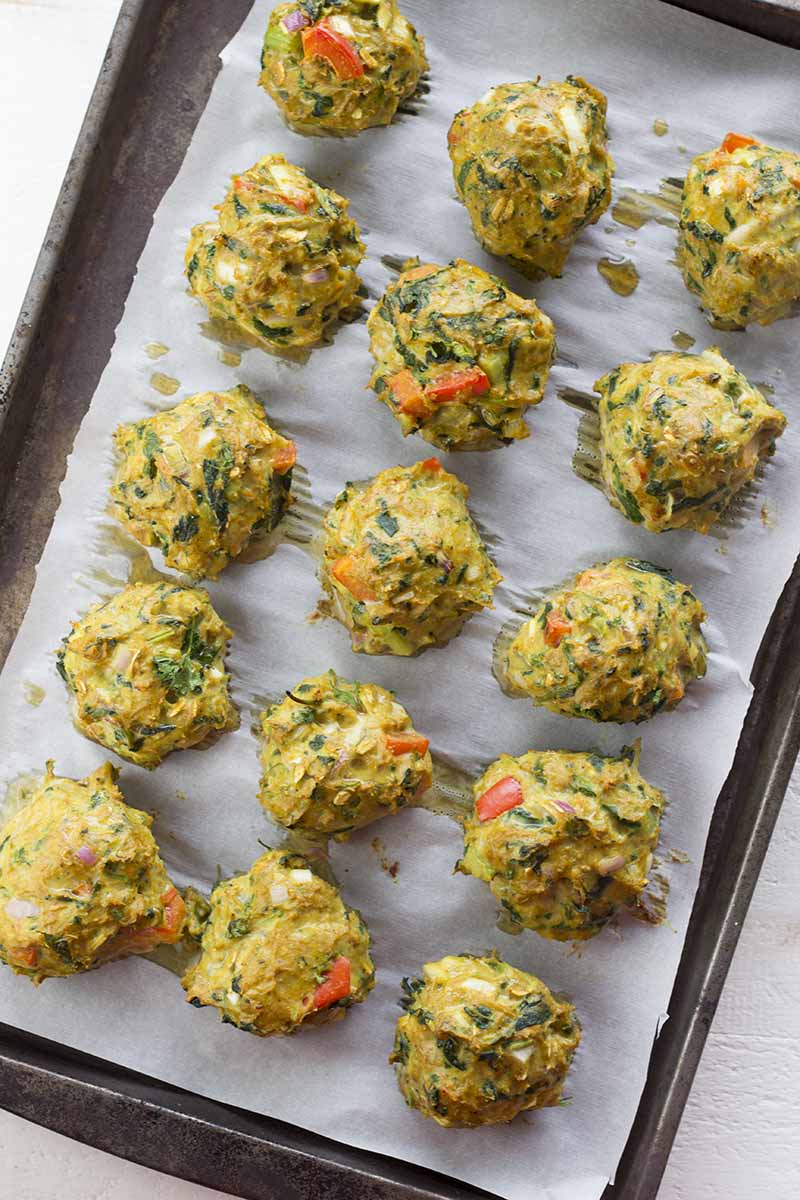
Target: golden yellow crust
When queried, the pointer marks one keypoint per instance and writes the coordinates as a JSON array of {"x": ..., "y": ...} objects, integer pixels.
[
  {"x": 274, "y": 938},
  {"x": 147, "y": 671},
  {"x": 200, "y": 480},
  {"x": 312, "y": 96},
  {"x": 279, "y": 266},
  {"x": 459, "y": 356},
  {"x": 481, "y": 1042},
  {"x": 81, "y": 880},
  {"x": 338, "y": 755},
  {"x": 680, "y": 436},
  {"x": 573, "y": 846},
  {"x": 739, "y": 239},
  {"x": 531, "y": 165},
  {"x": 620, "y": 642},
  {"x": 403, "y": 563}
]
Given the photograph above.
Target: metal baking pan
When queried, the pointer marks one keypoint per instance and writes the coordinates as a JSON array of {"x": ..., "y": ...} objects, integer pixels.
[{"x": 153, "y": 86}]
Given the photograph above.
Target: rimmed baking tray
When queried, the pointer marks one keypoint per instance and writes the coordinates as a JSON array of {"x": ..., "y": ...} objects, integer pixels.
[{"x": 153, "y": 86}]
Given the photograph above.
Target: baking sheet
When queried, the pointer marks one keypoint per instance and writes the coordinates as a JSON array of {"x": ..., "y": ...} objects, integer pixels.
[{"x": 545, "y": 524}]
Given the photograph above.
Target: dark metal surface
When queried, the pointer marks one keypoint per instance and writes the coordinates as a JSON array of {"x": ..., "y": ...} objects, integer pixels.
[
  {"x": 773, "y": 19},
  {"x": 152, "y": 89},
  {"x": 198, "y": 1139}
]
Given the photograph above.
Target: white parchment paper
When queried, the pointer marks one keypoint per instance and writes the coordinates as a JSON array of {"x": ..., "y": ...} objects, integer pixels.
[{"x": 653, "y": 61}]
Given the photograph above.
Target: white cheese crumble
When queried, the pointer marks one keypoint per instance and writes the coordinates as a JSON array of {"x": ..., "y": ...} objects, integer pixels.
[
  {"x": 481, "y": 986},
  {"x": 18, "y": 910},
  {"x": 574, "y": 127}
]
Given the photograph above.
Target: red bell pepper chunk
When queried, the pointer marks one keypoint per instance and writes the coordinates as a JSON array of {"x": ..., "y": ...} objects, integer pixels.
[
  {"x": 320, "y": 41},
  {"x": 503, "y": 795},
  {"x": 301, "y": 201},
  {"x": 336, "y": 984},
  {"x": 405, "y": 743},
  {"x": 141, "y": 939},
  {"x": 345, "y": 569},
  {"x": 734, "y": 141},
  {"x": 432, "y": 464},
  {"x": 455, "y": 384},
  {"x": 408, "y": 394},
  {"x": 285, "y": 459},
  {"x": 555, "y": 628}
]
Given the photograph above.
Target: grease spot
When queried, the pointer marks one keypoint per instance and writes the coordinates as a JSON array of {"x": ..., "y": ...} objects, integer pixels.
[
  {"x": 34, "y": 695},
  {"x": 165, "y": 384},
  {"x": 683, "y": 340},
  {"x": 634, "y": 209},
  {"x": 620, "y": 274},
  {"x": 229, "y": 358}
]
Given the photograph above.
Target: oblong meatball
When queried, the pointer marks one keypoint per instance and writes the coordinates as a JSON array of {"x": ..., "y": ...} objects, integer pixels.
[
  {"x": 200, "y": 480},
  {"x": 480, "y": 1042},
  {"x": 147, "y": 672},
  {"x": 280, "y": 950},
  {"x": 459, "y": 356},
  {"x": 739, "y": 235},
  {"x": 338, "y": 754},
  {"x": 278, "y": 267},
  {"x": 403, "y": 563},
  {"x": 680, "y": 436},
  {"x": 81, "y": 880},
  {"x": 340, "y": 67},
  {"x": 531, "y": 165},
  {"x": 619, "y": 642}
]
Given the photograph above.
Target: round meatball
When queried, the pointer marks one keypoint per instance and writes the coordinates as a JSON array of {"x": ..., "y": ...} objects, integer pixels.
[
  {"x": 337, "y": 755},
  {"x": 739, "y": 237},
  {"x": 563, "y": 840},
  {"x": 680, "y": 436},
  {"x": 279, "y": 266},
  {"x": 403, "y": 564},
  {"x": 280, "y": 950},
  {"x": 620, "y": 642},
  {"x": 481, "y": 1042},
  {"x": 530, "y": 163},
  {"x": 458, "y": 356},
  {"x": 200, "y": 480},
  {"x": 81, "y": 880},
  {"x": 147, "y": 672},
  {"x": 340, "y": 67}
]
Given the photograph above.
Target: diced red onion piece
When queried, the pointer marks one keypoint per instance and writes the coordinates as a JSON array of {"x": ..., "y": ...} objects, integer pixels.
[
  {"x": 295, "y": 20},
  {"x": 317, "y": 276},
  {"x": 86, "y": 855},
  {"x": 122, "y": 659},
  {"x": 562, "y": 804}
]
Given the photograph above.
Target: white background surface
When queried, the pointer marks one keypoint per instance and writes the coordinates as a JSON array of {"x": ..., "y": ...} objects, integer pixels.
[{"x": 738, "y": 1139}]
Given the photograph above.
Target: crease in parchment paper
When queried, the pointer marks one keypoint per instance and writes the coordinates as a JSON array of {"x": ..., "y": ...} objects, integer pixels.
[{"x": 654, "y": 62}]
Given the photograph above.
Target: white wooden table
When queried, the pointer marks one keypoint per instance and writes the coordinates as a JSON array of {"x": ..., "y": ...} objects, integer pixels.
[{"x": 739, "y": 1137}]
